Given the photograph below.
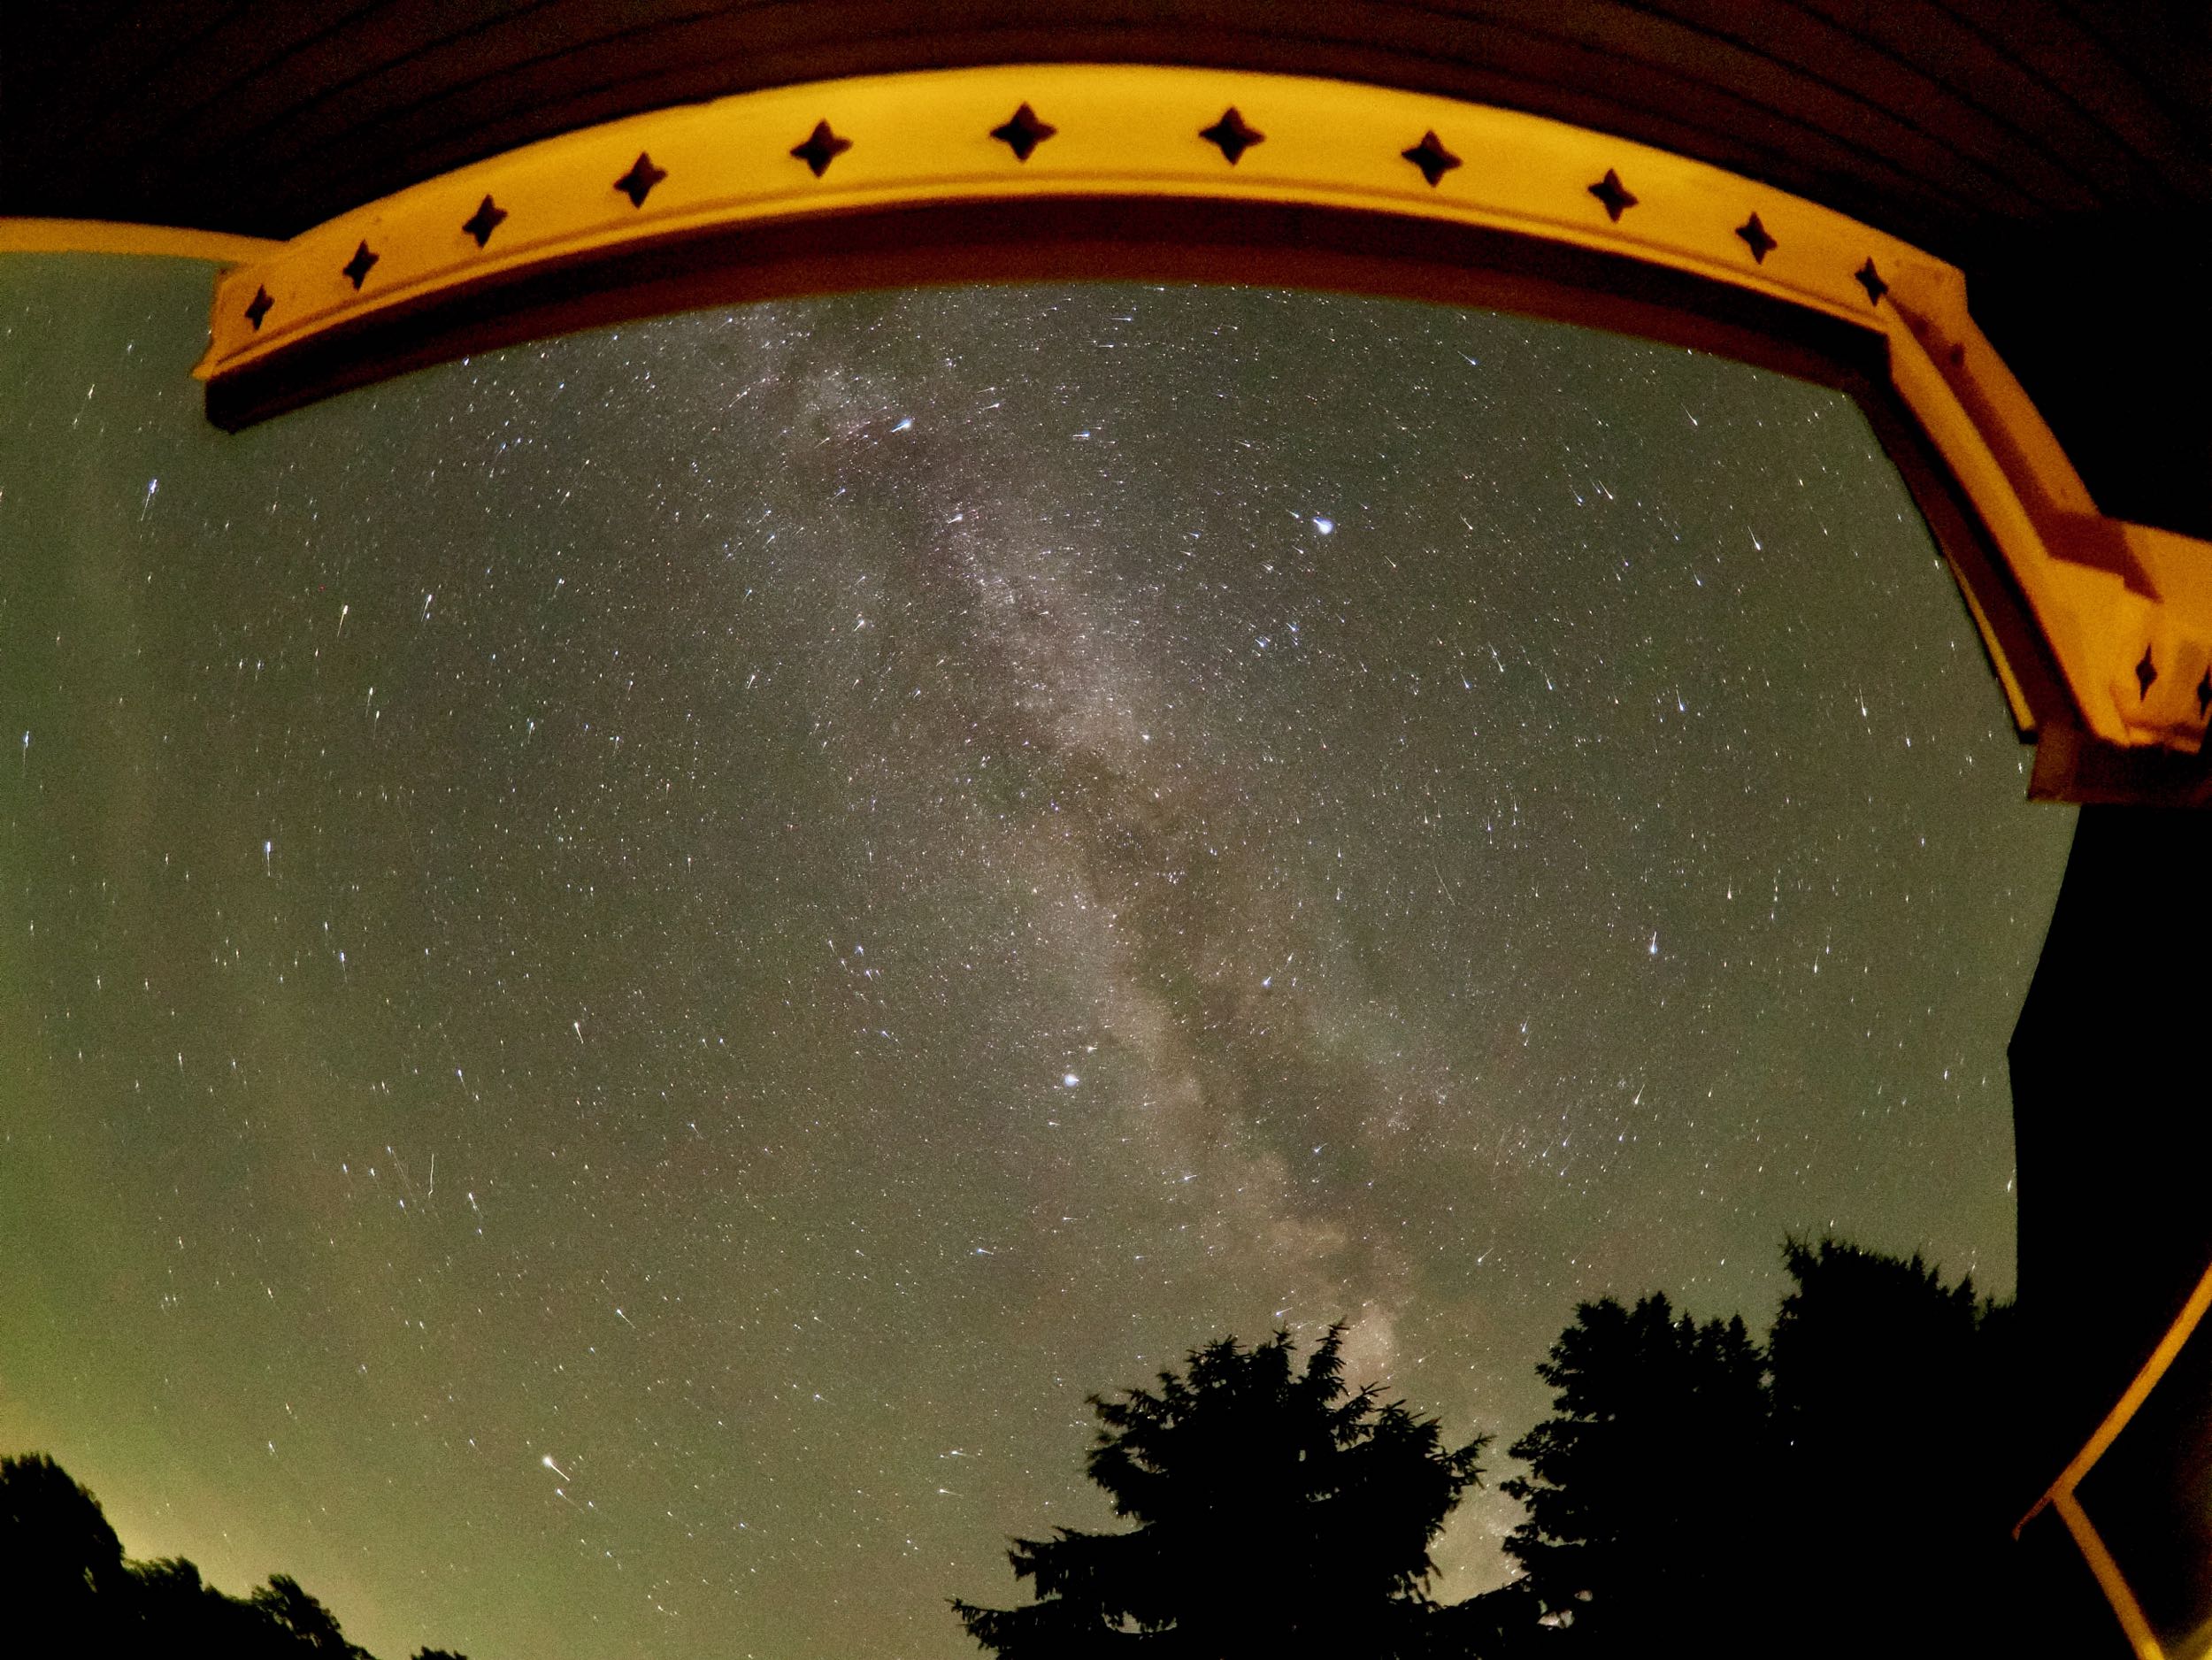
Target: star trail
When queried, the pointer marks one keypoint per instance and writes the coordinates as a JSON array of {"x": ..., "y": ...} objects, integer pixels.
[{"x": 631, "y": 964}]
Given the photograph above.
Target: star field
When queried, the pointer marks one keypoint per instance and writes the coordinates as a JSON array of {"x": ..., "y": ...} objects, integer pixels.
[{"x": 630, "y": 966}]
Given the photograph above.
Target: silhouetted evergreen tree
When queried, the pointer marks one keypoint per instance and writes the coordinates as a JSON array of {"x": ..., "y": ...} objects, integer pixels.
[
  {"x": 61, "y": 1565},
  {"x": 1892, "y": 1396},
  {"x": 66, "y": 1588},
  {"x": 1276, "y": 1511},
  {"x": 310, "y": 1625},
  {"x": 1507, "y": 1624},
  {"x": 1643, "y": 1490},
  {"x": 1838, "y": 1494}
]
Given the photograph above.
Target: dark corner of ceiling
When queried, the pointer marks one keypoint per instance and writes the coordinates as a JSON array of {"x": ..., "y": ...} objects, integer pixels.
[
  {"x": 2060, "y": 151},
  {"x": 2104, "y": 319}
]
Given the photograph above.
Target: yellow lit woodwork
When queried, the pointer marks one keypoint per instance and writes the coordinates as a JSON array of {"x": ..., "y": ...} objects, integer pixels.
[
  {"x": 101, "y": 236},
  {"x": 2124, "y": 613},
  {"x": 2062, "y": 1497}
]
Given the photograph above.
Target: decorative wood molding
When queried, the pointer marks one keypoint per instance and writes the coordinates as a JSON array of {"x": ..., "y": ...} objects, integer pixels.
[
  {"x": 2099, "y": 629},
  {"x": 2064, "y": 1495},
  {"x": 98, "y": 236}
]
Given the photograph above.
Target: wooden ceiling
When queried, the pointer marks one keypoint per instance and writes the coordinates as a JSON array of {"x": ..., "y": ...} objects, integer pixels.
[{"x": 2061, "y": 153}]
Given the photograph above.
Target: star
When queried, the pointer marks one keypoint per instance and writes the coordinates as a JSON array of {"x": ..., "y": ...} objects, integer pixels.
[
  {"x": 1431, "y": 158},
  {"x": 357, "y": 268},
  {"x": 2145, "y": 673},
  {"x": 1231, "y": 835},
  {"x": 1756, "y": 239},
  {"x": 484, "y": 221},
  {"x": 1023, "y": 132},
  {"x": 258, "y": 307},
  {"x": 638, "y": 183},
  {"x": 1614, "y": 194},
  {"x": 1871, "y": 280},
  {"x": 821, "y": 148},
  {"x": 1232, "y": 135}
]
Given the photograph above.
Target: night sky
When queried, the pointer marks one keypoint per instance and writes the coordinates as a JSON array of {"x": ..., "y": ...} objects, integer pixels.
[{"x": 627, "y": 968}]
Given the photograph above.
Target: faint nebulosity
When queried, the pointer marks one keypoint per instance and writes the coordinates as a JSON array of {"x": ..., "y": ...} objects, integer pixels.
[{"x": 629, "y": 966}]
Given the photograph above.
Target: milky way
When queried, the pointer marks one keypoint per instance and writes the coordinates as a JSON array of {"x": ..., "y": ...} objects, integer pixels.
[{"x": 629, "y": 966}]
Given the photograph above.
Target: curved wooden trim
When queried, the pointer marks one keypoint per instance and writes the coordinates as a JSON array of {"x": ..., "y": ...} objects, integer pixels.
[
  {"x": 2117, "y": 1592},
  {"x": 2063, "y": 1496},
  {"x": 2097, "y": 629},
  {"x": 2162, "y": 1355},
  {"x": 100, "y": 237}
]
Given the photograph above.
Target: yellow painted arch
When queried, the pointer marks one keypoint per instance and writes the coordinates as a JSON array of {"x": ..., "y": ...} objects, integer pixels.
[
  {"x": 2099, "y": 631},
  {"x": 103, "y": 236}
]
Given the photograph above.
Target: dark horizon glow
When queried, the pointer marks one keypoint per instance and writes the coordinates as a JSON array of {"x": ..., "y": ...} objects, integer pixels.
[{"x": 630, "y": 966}]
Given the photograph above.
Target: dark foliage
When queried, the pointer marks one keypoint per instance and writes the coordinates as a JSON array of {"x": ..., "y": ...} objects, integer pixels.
[
  {"x": 1507, "y": 1624},
  {"x": 1640, "y": 1481},
  {"x": 1276, "y": 1511},
  {"x": 1837, "y": 1493},
  {"x": 67, "y": 1587},
  {"x": 1892, "y": 1397}
]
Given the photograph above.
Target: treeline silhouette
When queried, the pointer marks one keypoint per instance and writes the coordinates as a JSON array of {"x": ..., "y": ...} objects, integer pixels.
[
  {"x": 66, "y": 1588},
  {"x": 1838, "y": 1490},
  {"x": 1277, "y": 1513}
]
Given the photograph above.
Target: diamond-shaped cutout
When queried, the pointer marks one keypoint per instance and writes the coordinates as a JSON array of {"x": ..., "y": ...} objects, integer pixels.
[
  {"x": 1614, "y": 194},
  {"x": 821, "y": 148},
  {"x": 1431, "y": 158},
  {"x": 484, "y": 221},
  {"x": 638, "y": 183},
  {"x": 1023, "y": 132},
  {"x": 1757, "y": 238},
  {"x": 2145, "y": 673},
  {"x": 1871, "y": 280},
  {"x": 258, "y": 307},
  {"x": 357, "y": 268},
  {"x": 1232, "y": 135}
]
